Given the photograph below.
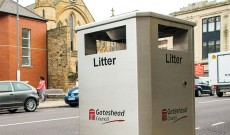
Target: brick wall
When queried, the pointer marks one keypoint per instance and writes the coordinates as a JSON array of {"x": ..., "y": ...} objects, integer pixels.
[
  {"x": 4, "y": 48},
  {"x": 58, "y": 57},
  {"x": 8, "y": 53}
]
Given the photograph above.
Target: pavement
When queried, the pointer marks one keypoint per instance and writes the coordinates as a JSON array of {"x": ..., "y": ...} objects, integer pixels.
[{"x": 52, "y": 103}]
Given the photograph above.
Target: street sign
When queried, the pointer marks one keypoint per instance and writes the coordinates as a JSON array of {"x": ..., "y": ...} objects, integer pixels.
[{"x": 199, "y": 69}]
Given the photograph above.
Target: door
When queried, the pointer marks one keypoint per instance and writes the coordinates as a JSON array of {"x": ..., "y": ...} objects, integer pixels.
[
  {"x": 223, "y": 68},
  {"x": 22, "y": 92},
  {"x": 6, "y": 95}
]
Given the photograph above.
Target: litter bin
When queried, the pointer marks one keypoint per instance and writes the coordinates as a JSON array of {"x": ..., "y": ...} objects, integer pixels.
[{"x": 136, "y": 76}]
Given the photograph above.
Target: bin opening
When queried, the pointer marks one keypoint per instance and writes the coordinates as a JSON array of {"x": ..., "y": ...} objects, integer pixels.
[
  {"x": 172, "y": 38},
  {"x": 105, "y": 41}
]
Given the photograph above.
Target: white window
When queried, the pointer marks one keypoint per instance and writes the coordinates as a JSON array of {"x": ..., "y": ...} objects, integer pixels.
[
  {"x": 211, "y": 24},
  {"x": 218, "y": 46},
  {"x": 217, "y": 23},
  {"x": 204, "y": 25},
  {"x": 26, "y": 56}
]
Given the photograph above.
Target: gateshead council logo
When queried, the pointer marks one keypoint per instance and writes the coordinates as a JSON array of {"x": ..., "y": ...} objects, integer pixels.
[
  {"x": 174, "y": 115},
  {"x": 106, "y": 117},
  {"x": 91, "y": 114}
]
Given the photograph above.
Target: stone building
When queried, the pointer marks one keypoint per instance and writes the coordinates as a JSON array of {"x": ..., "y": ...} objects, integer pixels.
[
  {"x": 62, "y": 17},
  {"x": 211, "y": 32}
]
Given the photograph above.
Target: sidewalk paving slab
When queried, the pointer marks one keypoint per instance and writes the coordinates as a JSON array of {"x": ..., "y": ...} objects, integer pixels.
[{"x": 52, "y": 103}]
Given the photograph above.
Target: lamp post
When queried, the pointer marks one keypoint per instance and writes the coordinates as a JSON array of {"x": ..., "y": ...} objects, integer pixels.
[{"x": 17, "y": 43}]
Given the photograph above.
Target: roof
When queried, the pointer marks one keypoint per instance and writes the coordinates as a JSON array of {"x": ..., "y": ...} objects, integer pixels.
[
  {"x": 199, "y": 6},
  {"x": 32, "y": 6},
  {"x": 10, "y": 7},
  {"x": 134, "y": 15}
]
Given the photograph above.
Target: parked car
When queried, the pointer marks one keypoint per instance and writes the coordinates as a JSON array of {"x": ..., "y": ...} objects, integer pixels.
[
  {"x": 72, "y": 97},
  {"x": 202, "y": 87},
  {"x": 15, "y": 95}
]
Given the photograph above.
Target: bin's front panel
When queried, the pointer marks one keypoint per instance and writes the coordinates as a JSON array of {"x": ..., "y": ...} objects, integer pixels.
[{"x": 108, "y": 85}]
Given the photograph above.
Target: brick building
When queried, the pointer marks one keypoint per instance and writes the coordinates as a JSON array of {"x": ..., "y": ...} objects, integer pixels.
[{"x": 32, "y": 44}]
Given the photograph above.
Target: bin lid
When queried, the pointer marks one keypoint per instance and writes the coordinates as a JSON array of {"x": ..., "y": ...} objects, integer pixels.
[{"x": 134, "y": 15}]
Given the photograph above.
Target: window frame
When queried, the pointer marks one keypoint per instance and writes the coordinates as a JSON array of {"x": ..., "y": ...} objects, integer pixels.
[{"x": 28, "y": 47}]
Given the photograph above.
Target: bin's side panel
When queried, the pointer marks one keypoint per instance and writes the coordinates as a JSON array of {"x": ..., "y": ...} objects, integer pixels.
[
  {"x": 172, "y": 83},
  {"x": 108, "y": 94},
  {"x": 144, "y": 75}
]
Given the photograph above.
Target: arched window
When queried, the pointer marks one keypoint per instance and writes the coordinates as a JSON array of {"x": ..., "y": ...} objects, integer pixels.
[
  {"x": 71, "y": 23},
  {"x": 58, "y": 25},
  {"x": 43, "y": 13}
]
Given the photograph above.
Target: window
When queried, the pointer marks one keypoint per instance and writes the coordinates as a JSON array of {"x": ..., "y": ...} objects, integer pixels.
[
  {"x": 58, "y": 25},
  {"x": 71, "y": 30},
  {"x": 204, "y": 25},
  {"x": 211, "y": 24},
  {"x": 43, "y": 13},
  {"x": 210, "y": 36},
  {"x": 20, "y": 86},
  {"x": 26, "y": 60},
  {"x": 211, "y": 47},
  {"x": 5, "y": 87},
  {"x": 204, "y": 50},
  {"x": 218, "y": 23},
  {"x": 218, "y": 46}
]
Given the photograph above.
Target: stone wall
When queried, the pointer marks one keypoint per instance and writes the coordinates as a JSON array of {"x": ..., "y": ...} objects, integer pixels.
[{"x": 58, "y": 58}]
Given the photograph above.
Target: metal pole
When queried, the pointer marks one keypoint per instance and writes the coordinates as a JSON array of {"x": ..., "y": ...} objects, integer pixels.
[{"x": 17, "y": 43}]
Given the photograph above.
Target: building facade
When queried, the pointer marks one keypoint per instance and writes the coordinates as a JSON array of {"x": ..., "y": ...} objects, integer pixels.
[
  {"x": 211, "y": 33},
  {"x": 61, "y": 14},
  {"x": 32, "y": 44}
]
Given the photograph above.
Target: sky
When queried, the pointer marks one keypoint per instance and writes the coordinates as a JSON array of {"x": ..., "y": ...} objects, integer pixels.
[{"x": 101, "y": 9}]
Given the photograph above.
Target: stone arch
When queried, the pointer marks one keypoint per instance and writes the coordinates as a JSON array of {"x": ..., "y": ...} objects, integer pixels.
[
  {"x": 74, "y": 17},
  {"x": 72, "y": 13},
  {"x": 75, "y": 9},
  {"x": 67, "y": 22},
  {"x": 78, "y": 23}
]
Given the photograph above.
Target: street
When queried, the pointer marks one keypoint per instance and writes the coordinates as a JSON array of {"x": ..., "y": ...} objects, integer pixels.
[
  {"x": 212, "y": 118},
  {"x": 51, "y": 121},
  {"x": 212, "y": 115}
]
